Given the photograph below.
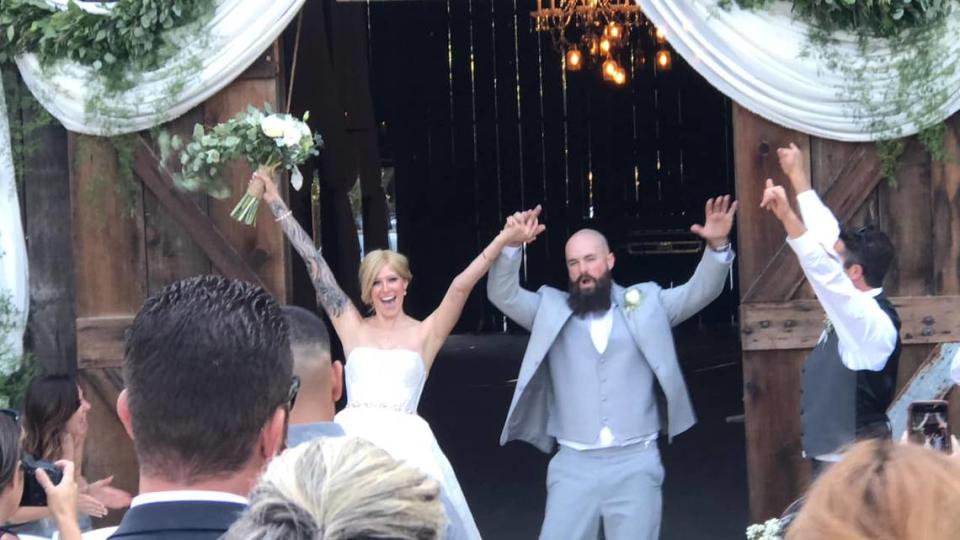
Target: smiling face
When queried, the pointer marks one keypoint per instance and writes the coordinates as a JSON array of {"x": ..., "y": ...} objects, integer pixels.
[{"x": 388, "y": 291}]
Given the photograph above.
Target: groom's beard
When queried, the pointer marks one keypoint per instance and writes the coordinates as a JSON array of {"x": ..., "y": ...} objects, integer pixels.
[{"x": 593, "y": 300}]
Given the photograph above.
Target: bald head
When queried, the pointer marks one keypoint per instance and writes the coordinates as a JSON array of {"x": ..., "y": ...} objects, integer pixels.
[{"x": 588, "y": 239}]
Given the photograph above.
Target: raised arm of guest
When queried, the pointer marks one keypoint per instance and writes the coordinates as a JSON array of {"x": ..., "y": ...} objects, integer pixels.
[
  {"x": 865, "y": 333},
  {"x": 343, "y": 314},
  {"x": 441, "y": 322}
]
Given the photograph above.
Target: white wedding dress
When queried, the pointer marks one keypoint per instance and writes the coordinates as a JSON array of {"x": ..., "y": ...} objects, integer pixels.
[{"x": 383, "y": 391}]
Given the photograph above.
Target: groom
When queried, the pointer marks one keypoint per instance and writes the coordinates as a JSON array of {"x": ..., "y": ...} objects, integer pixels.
[{"x": 600, "y": 377}]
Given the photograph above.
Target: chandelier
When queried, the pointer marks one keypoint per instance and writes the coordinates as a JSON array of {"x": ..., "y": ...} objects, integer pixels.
[{"x": 594, "y": 32}]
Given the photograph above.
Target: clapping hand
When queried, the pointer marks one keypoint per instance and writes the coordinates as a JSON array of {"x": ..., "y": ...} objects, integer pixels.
[
  {"x": 523, "y": 227},
  {"x": 718, "y": 222},
  {"x": 109, "y": 496}
]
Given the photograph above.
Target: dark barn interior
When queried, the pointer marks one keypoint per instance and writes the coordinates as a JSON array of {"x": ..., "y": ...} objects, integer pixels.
[{"x": 462, "y": 114}]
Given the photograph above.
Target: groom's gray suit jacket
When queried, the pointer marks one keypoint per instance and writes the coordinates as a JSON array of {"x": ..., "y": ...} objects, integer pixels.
[{"x": 545, "y": 312}]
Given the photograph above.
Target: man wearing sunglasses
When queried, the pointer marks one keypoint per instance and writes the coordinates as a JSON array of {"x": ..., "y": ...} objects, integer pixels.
[
  {"x": 848, "y": 381},
  {"x": 209, "y": 385}
]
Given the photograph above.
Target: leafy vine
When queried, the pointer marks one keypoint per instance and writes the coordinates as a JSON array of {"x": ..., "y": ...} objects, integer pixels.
[{"x": 915, "y": 31}]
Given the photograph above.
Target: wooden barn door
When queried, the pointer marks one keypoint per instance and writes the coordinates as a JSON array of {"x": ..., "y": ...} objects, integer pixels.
[
  {"x": 131, "y": 238},
  {"x": 780, "y": 318}
]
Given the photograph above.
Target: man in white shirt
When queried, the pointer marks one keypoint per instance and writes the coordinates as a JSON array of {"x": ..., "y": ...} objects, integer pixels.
[
  {"x": 849, "y": 379},
  {"x": 209, "y": 383},
  {"x": 600, "y": 377}
]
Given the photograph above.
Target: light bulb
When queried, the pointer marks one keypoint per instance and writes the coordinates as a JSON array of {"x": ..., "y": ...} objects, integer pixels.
[
  {"x": 574, "y": 59},
  {"x": 660, "y": 36},
  {"x": 664, "y": 60},
  {"x": 604, "y": 45}
]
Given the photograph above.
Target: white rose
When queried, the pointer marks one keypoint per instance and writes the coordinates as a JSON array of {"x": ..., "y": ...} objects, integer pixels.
[
  {"x": 272, "y": 126},
  {"x": 291, "y": 134},
  {"x": 632, "y": 297}
]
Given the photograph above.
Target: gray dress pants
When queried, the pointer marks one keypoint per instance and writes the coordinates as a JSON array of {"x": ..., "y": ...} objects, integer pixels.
[{"x": 618, "y": 488}]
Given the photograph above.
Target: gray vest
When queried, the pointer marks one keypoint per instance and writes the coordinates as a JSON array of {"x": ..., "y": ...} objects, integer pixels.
[
  {"x": 827, "y": 400},
  {"x": 590, "y": 390}
]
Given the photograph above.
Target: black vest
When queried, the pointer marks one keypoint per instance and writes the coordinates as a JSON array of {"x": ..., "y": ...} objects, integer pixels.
[{"x": 839, "y": 405}]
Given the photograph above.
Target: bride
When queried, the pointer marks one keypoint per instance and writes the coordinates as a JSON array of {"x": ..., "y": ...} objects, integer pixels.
[{"x": 389, "y": 354}]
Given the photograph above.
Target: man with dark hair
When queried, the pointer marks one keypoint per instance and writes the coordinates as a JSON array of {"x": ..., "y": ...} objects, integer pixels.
[
  {"x": 848, "y": 381},
  {"x": 321, "y": 379},
  {"x": 208, "y": 377}
]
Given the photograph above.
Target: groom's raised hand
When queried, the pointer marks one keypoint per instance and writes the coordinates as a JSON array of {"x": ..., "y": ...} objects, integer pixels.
[
  {"x": 524, "y": 226},
  {"x": 718, "y": 221}
]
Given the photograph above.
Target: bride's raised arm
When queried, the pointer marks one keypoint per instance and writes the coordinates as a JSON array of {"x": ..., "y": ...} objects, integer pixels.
[
  {"x": 343, "y": 314},
  {"x": 523, "y": 227}
]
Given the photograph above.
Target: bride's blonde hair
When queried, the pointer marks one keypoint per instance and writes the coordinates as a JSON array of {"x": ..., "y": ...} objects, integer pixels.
[{"x": 373, "y": 263}]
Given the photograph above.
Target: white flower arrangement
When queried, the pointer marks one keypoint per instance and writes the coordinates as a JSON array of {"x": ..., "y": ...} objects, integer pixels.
[
  {"x": 632, "y": 299},
  {"x": 267, "y": 140},
  {"x": 768, "y": 530}
]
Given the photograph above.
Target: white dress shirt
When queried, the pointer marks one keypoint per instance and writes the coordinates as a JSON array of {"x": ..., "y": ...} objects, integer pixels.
[
  {"x": 865, "y": 333},
  {"x": 187, "y": 495}
]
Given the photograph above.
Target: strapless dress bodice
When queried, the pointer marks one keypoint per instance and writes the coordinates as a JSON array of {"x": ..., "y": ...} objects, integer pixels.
[{"x": 390, "y": 379}]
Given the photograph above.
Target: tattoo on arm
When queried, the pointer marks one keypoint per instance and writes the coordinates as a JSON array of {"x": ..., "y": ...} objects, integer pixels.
[{"x": 329, "y": 295}]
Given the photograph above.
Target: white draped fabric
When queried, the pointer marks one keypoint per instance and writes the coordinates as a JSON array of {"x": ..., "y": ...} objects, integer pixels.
[
  {"x": 13, "y": 249},
  {"x": 754, "y": 57},
  {"x": 209, "y": 59}
]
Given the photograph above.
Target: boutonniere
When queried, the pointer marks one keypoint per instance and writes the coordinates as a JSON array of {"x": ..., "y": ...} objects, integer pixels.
[
  {"x": 827, "y": 328},
  {"x": 632, "y": 298}
]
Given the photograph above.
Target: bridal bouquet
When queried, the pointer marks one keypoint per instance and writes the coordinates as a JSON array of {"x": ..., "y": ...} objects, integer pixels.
[{"x": 267, "y": 140}]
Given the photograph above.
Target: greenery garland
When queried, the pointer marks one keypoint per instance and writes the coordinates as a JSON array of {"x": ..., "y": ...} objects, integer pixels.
[
  {"x": 916, "y": 31},
  {"x": 133, "y": 38}
]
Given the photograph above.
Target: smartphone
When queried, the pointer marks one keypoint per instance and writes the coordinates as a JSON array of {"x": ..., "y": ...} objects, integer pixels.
[
  {"x": 928, "y": 425},
  {"x": 33, "y": 493}
]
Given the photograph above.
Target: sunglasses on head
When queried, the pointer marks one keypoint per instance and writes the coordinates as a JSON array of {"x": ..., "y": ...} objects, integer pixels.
[
  {"x": 13, "y": 414},
  {"x": 292, "y": 394}
]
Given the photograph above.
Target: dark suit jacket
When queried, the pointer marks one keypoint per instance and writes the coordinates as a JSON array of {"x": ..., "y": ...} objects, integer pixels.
[{"x": 178, "y": 520}]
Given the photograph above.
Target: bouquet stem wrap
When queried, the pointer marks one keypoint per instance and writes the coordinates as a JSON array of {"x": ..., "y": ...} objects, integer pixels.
[{"x": 246, "y": 210}]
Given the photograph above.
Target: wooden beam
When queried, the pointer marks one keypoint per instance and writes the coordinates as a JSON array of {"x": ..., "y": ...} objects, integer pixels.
[
  {"x": 198, "y": 224},
  {"x": 100, "y": 341},
  {"x": 860, "y": 175},
  {"x": 931, "y": 381},
  {"x": 798, "y": 324}
]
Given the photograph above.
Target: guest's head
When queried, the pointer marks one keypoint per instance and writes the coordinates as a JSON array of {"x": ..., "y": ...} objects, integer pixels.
[
  {"x": 589, "y": 262},
  {"x": 53, "y": 406},
  {"x": 883, "y": 490},
  {"x": 11, "y": 476},
  {"x": 866, "y": 253},
  {"x": 321, "y": 378},
  {"x": 341, "y": 488},
  {"x": 208, "y": 379},
  {"x": 384, "y": 278}
]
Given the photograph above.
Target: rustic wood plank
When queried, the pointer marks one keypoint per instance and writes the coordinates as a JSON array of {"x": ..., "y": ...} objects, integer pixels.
[
  {"x": 171, "y": 252},
  {"x": 101, "y": 340},
  {"x": 201, "y": 228},
  {"x": 945, "y": 202},
  {"x": 798, "y": 324},
  {"x": 109, "y": 450},
  {"x": 911, "y": 358},
  {"x": 266, "y": 66},
  {"x": 782, "y": 276},
  {"x": 262, "y": 247},
  {"x": 907, "y": 219},
  {"x": 759, "y": 234},
  {"x": 50, "y": 248},
  {"x": 776, "y": 470},
  {"x": 108, "y": 244}
]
